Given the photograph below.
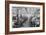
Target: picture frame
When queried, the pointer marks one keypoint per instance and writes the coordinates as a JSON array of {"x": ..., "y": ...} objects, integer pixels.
[{"x": 24, "y": 5}]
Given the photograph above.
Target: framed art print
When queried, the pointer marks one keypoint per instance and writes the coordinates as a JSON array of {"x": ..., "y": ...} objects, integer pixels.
[{"x": 24, "y": 17}]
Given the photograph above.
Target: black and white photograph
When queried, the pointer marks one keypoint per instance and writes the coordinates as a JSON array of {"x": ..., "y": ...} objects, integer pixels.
[{"x": 25, "y": 17}]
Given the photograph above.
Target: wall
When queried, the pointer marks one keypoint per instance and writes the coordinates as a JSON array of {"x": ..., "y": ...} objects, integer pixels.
[{"x": 2, "y": 16}]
